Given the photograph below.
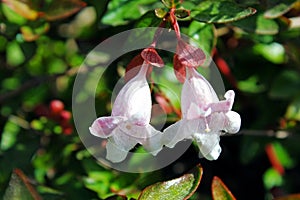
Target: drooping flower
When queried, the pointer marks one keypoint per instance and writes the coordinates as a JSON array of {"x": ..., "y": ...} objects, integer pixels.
[
  {"x": 128, "y": 124},
  {"x": 204, "y": 116},
  {"x": 186, "y": 56}
]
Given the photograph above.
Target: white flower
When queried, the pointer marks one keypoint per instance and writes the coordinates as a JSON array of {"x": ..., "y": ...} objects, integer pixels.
[
  {"x": 128, "y": 124},
  {"x": 204, "y": 116}
]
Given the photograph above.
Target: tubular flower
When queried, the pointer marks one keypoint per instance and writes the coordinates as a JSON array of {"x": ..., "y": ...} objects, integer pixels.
[
  {"x": 128, "y": 124},
  {"x": 204, "y": 116}
]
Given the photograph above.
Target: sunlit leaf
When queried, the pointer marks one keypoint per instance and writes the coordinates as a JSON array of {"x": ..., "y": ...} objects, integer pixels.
[
  {"x": 14, "y": 54},
  {"x": 279, "y": 8},
  {"x": 179, "y": 188},
  {"x": 60, "y": 9},
  {"x": 121, "y": 12},
  {"x": 273, "y": 52},
  {"x": 293, "y": 110},
  {"x": 31, "y": 34},
  {"x": 272, "y": 178},
  {"x": 216, "y": 11},
  {"x": 23, "y": 8},
  {"x": 20, "y": 188},
  {"x": 220, "y": 190},
  {"x": 9, "y": 135}
]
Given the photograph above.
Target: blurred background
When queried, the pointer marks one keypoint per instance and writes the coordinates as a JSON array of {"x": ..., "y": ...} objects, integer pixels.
[{"x": 44, "y": 42}]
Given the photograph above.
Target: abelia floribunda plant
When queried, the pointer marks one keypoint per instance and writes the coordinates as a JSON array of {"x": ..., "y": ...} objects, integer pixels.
[
  {"x": 204, "y": 116},
  {"x": 128, "y": 124}
]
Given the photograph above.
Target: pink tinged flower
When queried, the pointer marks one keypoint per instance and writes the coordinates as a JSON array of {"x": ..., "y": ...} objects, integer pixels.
[
  {"x": 204, "y": 116},
  {"x": 128, "y": 124},
  {"x": 189, "y": 55}
]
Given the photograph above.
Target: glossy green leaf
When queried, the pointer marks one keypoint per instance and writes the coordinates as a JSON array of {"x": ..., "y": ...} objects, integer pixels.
[
  {"x": 182, "y": 13},
  {"x": 20, "y": 188},
  {"x": 289, "y": 197},
  {"x": 272, "y": 178},
  {"x": 273, "y": 52},
  {"x": 258, "y": 24},
  {"x": 203, "y": 35},
  {"x": 122, "y": 12},
  {"x": 60, "y": 9},
  {"x": 220, "y": 190},
  {"x": 279, "y": 8},
  {"x": 215, "y": 11},
  {"x": 179, "y": 188},
  {"x": 251, "y": 85}
]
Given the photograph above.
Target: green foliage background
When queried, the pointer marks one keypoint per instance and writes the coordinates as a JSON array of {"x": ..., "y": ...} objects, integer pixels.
[{"x": 43, "y": 43}]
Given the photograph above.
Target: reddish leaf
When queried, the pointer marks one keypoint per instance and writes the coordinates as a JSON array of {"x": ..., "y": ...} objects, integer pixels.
[
  {"x": 274, "y": 159},
  {"x": 179, "y": 188},
  {"x": 23, "y": 8},
  {"x": 151, "y": 56},
  {"x": 220, "y": 190},
  {"x": 60, "y": 9},
  {"x": 134, "y": 67},
  {"x": 179, "y": 69},
  {"x": 289, "y": 197},
  {"x": 189, "y": 55}
]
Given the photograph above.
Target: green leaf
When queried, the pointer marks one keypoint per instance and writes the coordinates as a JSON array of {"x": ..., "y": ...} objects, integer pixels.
[
  {"x": 123, "y": 11},
  {"x": 20, "y": 188},
  {"x": 272, "y": 178},
  {"x": 14, "y": 54},
  {"x": 220, "y": 190},
  {"x": 149, "y": 19},
  {"x": 24, "y": 8},
  {"x": 273, "y": 52},
  {"x": 293, "y": 110},
  {"x": 60, "y": 9},
  {"x": 224, "y": 11},
  {"x": 279, "y": 8},
  {"x": 289, "y": 197},
  {"x": 258, "y": 24},
  {"x": 9, "y": 135},
  {"x": 286, "y": 85},
  {"x": 204, "y": 36},
  {"x": 283, "y": 156},
  {"x": 251, "y": 85},
  {"x": 179, "y": 188}
]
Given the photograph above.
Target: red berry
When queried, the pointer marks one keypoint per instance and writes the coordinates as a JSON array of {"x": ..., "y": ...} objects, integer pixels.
[
  {"x": 56, "y": 106},
  {"x": 65, "y": 116}
]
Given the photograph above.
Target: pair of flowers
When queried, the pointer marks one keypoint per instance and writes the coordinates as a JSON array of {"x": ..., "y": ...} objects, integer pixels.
[{"x": 204, "y": 116}]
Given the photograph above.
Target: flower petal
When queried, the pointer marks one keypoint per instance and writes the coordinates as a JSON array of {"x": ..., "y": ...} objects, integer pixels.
[
  {"x": 104, "y": 126},
  {"x": 153, "y": 143},
  {"x": 207, "y": 144},
  {"x": 114, "y": 153},
  {"x": 151, "y": 56},
  {"x": 134, "y": 99},
  {"x": 176, "y": 133},
  {"x": 224, "y": 105},
  {"x": 232, "y": 122},
  {"x": 189, "y": 55}
]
